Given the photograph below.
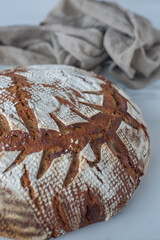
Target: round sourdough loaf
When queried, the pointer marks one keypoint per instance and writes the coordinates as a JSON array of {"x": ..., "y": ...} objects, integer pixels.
[{"x": 72, "y": 150}]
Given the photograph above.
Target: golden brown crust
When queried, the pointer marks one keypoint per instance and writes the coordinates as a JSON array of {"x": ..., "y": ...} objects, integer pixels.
[{"x": 102, "y": 129}]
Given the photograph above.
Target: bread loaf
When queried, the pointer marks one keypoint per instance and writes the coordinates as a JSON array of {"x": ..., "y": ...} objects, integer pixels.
[{"x": 73, "y": 147}]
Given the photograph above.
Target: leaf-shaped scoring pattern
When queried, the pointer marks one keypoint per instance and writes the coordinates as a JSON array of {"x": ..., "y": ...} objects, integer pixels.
[
  {"x": 51, "y": 85},
  {"x": 68, "y": 147}
]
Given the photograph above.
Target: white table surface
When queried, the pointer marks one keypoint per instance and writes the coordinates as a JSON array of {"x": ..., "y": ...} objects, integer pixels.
[{"x": 140, "y": 219}]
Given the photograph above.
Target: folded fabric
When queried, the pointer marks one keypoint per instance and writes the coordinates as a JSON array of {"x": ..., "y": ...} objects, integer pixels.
[{"x": 88, "y": 34}]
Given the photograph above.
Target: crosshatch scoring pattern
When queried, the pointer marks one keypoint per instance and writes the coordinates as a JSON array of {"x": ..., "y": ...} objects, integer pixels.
[{"x": 72, "y": 150}]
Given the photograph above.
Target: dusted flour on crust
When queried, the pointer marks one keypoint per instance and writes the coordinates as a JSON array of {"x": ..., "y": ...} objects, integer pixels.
[{"x": 72, "y": 150}]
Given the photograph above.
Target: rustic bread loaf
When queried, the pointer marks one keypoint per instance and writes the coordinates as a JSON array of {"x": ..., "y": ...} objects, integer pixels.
[{"x": 72, "y": 150}]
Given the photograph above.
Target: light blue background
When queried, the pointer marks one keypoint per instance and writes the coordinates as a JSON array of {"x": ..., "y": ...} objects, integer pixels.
[{"x": 140, "y": 219}]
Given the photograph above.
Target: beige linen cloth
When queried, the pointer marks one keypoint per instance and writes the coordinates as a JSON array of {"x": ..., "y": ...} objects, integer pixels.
[{"x": 88, "y": 34}]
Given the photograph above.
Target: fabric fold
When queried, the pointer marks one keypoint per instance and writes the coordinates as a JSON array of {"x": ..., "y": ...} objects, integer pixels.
[{"x": 87, "y": 34}]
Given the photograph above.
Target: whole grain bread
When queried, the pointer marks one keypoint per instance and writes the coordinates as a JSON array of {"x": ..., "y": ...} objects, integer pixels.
[{"x": 73, "y": 147}]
